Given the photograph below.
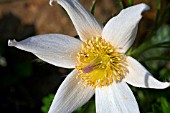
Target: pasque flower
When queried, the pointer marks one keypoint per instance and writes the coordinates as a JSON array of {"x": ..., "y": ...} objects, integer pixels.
[{"x": 101, "y": 65}]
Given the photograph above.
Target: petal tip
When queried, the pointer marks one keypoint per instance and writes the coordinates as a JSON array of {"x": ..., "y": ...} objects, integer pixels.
[
  {"x": 51, "y": 2},
  {"x": 166, "y": 84},
  {"x": 163, "y": 85},
  {"x": 145, "y": 6},
  {"x": 12, "y": 42}
]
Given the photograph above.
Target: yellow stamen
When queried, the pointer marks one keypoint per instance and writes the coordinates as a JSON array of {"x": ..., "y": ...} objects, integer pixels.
[{"x": 99, "y": 64}]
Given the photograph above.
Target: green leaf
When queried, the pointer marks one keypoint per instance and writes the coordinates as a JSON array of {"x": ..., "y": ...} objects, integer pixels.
[
  {"x": 121, "y": 4},
  {"x": 166, "y": 58},
  {"x": 47, "y": 102},
  {"x": 157, "y": 15},
  {"x": 89, "y": 107},
  {"x": 164, "y": 105},
  {"x": 165, "y": 14},
  {"x": 159, "y": 40},
  {"x": 164, "y": 73},
  {"x": 161, "y": 105},
  {"x": 93, "y": 7},
  {"x": 130, "y": 2}
]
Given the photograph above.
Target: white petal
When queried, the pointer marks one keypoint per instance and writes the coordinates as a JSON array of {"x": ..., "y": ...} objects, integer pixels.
[
  {"x": 56, "y": 49},
  {"x": 116, "y": 98},
  {"x": 139, "y": 77},
  {"x": 85, "y": 23},
  {"x": 121, "y": 30},
  {"x": 70, "y": 95}
]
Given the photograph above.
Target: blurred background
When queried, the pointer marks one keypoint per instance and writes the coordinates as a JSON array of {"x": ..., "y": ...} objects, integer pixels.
[{"x": 28, "y": 86}]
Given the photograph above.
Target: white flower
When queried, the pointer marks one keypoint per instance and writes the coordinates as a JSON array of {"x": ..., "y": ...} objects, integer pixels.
[{"x": 99, "y": 58}]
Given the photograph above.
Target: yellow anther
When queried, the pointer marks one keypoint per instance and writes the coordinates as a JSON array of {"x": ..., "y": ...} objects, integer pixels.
[{"x": 99, "y": 64}]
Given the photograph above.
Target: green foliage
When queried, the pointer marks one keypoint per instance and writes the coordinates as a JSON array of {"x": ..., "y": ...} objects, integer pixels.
[
  {"x": 47, "y": 102},
  {"x": 164, "y": 73},
  {"x": 93, "y": 7},
  {"x": 121, "y": 4},
  {"x": 159, "y": 40},
  {"x": 89, "y": 107},
  {"x": 161, "y": 106},
  {"x": 155, "y": 52},
  {"x": 130, "y": 2}
]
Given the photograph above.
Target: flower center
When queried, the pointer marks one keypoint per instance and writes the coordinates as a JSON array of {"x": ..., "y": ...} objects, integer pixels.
[{"x": 99, "y": 64}]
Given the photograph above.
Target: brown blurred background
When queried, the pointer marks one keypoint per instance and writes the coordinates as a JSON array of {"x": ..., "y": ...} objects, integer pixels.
[{"x": 47, "y": 19}]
